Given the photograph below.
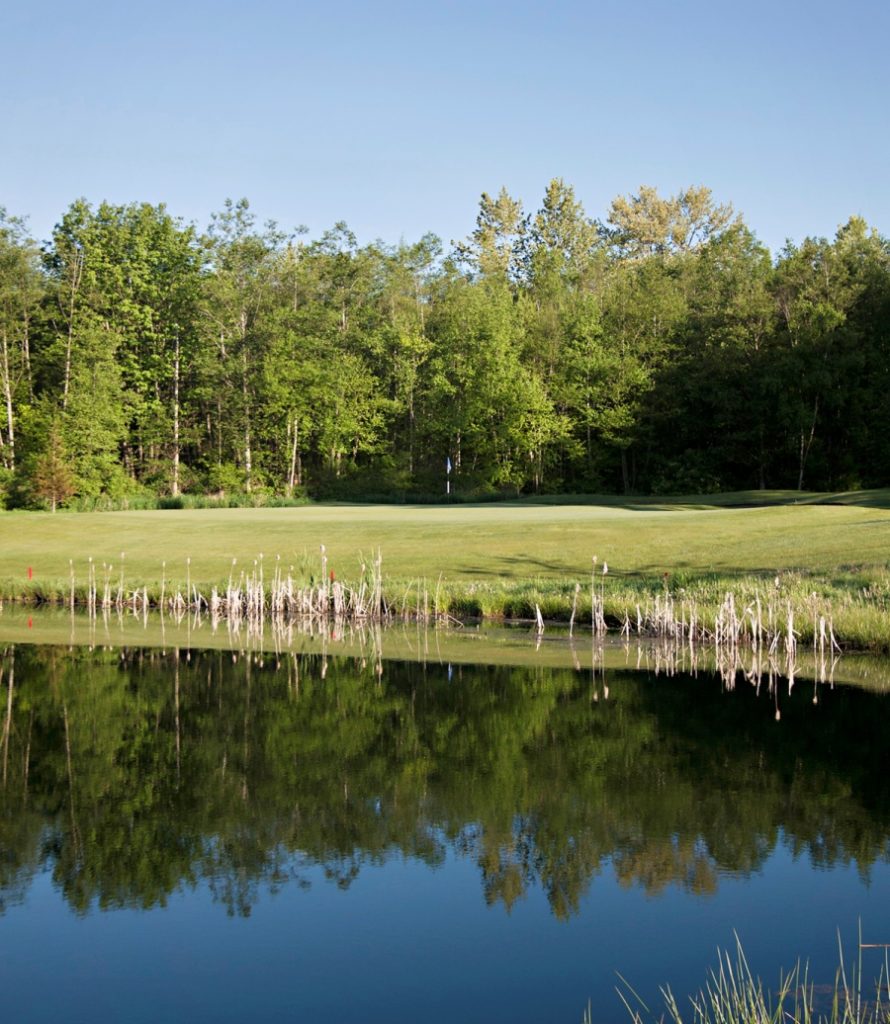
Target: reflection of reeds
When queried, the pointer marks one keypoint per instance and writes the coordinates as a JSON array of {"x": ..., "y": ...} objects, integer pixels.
[{"x": 754, "y": 664}]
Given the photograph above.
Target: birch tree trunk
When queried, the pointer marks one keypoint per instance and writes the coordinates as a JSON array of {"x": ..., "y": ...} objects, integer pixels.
[
  {"x": 76, "y": 274},
  {"x": 7, "y": 450},
  {"x": 176, "y": 446},
  {"x": 293, "y": 476}
]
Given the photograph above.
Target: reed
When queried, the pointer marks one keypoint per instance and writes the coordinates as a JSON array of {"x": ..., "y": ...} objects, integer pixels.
[
  {"x": 732, "y": 994},
  {"x": 775, "y": 614}
]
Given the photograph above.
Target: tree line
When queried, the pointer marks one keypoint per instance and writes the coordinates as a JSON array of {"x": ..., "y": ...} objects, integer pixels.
[{"x": 661, "y": 349}]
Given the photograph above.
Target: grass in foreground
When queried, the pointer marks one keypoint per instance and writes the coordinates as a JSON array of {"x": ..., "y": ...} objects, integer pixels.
[{"x": 733, "y": 995}]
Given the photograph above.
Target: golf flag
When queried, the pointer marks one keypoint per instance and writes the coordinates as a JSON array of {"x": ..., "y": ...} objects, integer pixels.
[{"x": 448, "y": 464}]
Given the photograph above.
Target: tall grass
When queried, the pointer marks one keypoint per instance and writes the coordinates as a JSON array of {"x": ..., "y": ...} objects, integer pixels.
[
  {"x": 732, "y": 994},
  {"x": 775, "y": 614},
  {"x": 790, "y": 608}
]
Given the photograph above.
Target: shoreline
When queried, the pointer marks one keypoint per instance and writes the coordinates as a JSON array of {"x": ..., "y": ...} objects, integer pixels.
[{"x": 790, "y": 610}]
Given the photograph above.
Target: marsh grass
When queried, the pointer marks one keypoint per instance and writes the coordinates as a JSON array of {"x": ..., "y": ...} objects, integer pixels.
[
  {"x": 780, "y": 613},
  {"x": 749, "y": 609},
  {"x": 732, "y": 994}
]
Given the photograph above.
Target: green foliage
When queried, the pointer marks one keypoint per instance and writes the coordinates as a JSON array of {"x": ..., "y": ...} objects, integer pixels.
[
  {"x": 51, "y": 479},
  {"x": 6, "y": 487},
  {"x": 647, "y": 224},
  {"x": 661, "y": 351}
]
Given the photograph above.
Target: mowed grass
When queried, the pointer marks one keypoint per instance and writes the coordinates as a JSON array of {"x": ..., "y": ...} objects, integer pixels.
[{"x": 492, "y": 543}]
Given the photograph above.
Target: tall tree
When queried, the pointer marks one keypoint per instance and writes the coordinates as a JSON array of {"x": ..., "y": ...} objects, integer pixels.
[
  {"x": 94, "y": 424},
  {"x": 238, "y": 296},
  {"x": 714, "y": 408},
  {"x": 131, "y": 272},
  {"x": 643, "y": 305},
  {"x": 20, "y": 293},
  {"x": 819, "y": 285},
  {"x": 493, "y": 250},
  {"x": 405, "y": 299},
  {"x": 647, "y": 224},
  {"x": 564, "y": 266}
]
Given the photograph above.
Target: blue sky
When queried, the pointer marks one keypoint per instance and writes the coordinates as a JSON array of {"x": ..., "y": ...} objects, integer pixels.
[{"x": 395, "y": 116}]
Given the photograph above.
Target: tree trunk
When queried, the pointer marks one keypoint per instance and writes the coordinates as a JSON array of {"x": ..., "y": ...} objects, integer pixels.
[
  {"x": 625, "y": 472},
  {"x": 806, "y": 442},
  {"x": 248, "y": 457},
  {"x": 245, "y": 393},
  {"x": 76, "y": 272},
  {"x": 219, "y": 438},
  {"x": 26, "y": 355},
  {"x": 6, "y": 372},
  {"x": 176, "y": 447},
  {"x": 293, "y": 478},
  {"x": 411, "y": 430}
]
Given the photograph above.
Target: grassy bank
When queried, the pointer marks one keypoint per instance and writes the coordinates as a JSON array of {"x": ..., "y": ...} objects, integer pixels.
[{"x": 498, "y": 561}]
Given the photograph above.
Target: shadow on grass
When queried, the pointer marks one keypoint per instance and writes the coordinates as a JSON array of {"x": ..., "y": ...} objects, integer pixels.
[
  {"x": 517, "y": 569},
  {"x": 680, "y": 573},
  {"x": 875, "y": 498}
]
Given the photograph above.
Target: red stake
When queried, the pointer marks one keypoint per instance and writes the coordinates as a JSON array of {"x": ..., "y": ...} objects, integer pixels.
[{"x": 30, "y": 573}]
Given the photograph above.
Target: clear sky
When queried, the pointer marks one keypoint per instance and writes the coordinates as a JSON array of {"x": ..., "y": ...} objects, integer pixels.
[{"x": 395, "y": 116}]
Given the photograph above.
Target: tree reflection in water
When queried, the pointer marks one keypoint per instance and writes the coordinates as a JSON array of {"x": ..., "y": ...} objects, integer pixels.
[{"x": 132, "y": 774}]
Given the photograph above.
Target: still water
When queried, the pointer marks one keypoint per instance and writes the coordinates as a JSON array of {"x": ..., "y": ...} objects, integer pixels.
[{"x": 208, "y": 836}]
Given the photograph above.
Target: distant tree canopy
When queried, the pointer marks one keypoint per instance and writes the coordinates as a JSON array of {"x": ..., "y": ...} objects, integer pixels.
[{"x": 662, "y": 349}]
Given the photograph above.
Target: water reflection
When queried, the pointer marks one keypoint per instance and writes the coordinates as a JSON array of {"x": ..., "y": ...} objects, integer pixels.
[{"x": 131, "y": 774}]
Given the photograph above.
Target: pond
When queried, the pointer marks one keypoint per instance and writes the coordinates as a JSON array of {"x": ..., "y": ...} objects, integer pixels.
[{"x": 216, "y": 835}]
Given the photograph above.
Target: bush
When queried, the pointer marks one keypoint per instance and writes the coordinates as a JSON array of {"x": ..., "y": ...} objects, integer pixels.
[{"x": 6, "y": 487}]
